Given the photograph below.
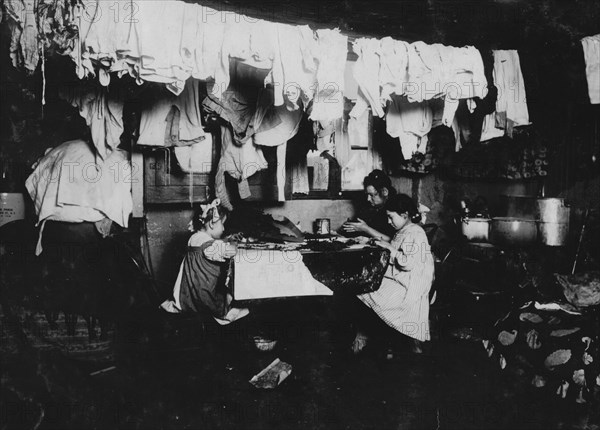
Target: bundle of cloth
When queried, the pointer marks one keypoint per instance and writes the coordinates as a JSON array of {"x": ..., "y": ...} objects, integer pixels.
[{"x": 70, "y": 184}]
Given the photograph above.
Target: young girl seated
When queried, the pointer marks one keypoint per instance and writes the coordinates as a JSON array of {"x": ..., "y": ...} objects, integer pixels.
[
  {"x": 402, "y": 300},
  {"x": 201, "y": 285}
]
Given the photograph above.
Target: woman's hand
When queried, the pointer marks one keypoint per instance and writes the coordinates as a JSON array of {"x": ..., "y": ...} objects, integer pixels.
[{"x": 358, "y": 226}]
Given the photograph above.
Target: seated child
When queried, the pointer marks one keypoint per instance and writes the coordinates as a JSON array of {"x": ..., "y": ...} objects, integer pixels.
[{"x": 201, "y": 285}]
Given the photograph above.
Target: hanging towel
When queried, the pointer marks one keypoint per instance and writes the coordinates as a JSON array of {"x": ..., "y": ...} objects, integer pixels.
[{"x": 591, "y": 53}]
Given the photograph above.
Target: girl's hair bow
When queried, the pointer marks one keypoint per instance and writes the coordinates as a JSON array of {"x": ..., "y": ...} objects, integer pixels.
[{"x": 206, "y": 210}]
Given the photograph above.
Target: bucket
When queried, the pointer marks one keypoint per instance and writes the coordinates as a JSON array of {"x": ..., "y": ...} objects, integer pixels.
[
  {"x": 553, "y": 233},
  {"x": 12, "y": 207}
]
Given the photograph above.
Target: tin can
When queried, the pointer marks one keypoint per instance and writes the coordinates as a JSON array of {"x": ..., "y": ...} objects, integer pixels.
[{"x": 322, "y": 226}]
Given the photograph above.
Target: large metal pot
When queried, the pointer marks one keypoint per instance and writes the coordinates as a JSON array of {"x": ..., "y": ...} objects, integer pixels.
[
  {"x": 553, "y": 233},
  {"x": 552, "y": 210},
  {"x": 513, "y": 231},
  {"x": 553, "y": 215},
  {"x": 476, "y": 229}
]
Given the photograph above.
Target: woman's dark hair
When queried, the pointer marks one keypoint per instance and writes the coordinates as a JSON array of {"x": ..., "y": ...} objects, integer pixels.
[
  {"x": 401, "y": 203},
  {"x": 379, "y": 180}
]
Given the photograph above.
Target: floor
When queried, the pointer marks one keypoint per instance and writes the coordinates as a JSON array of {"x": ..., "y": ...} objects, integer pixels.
[{"x": 170, "y": 374}]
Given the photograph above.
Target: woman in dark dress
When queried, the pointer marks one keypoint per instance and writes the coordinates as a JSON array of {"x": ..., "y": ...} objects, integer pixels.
[{"x": 372, "y": 221}]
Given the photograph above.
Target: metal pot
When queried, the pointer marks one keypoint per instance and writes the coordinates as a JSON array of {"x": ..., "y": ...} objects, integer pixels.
[
  {"x": 476, "y": 229},
  {"x": 553, "y": 233},
  {"x": 552, "y": 210},
  {"x": 513, "y": 231}
]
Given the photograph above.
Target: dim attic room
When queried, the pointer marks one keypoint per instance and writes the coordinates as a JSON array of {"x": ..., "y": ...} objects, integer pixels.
[{"x": 315, "y": 215}]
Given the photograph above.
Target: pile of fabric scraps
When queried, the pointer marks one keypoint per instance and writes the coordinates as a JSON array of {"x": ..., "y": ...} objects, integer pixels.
[{"x": 549, "y": 348}]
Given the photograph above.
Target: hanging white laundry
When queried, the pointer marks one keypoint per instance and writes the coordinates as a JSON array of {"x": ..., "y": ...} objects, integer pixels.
[
  {"x": 295, "y": 65},
  {"x": 489, "y": 130},
  {"x": 287, "y": 127},
  {"x": 240, "y": 162},
  {"x": 188, "y": 102},
  {"x": 511, "y": 106},
  {"x": 591, "y": 53},
  {"x": 281, "y": 172},
  {"x": 103, "y": 113},
  {"x": 328, "y": 103},
  {"x": 367, "y": 72},
  {"x": 425, "y": 72},
  {"x": 153, "y": 121},
  {"x": 196, "y": 158},
  {"x": 393, "y": 67},
  {"x": 445, "y": 71},
  {"x": 410, "y": 123},
  {"x": 208, "y": 45},
  {"x": 438, "y": 114},
  {"x": 300, "y": 182}
]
